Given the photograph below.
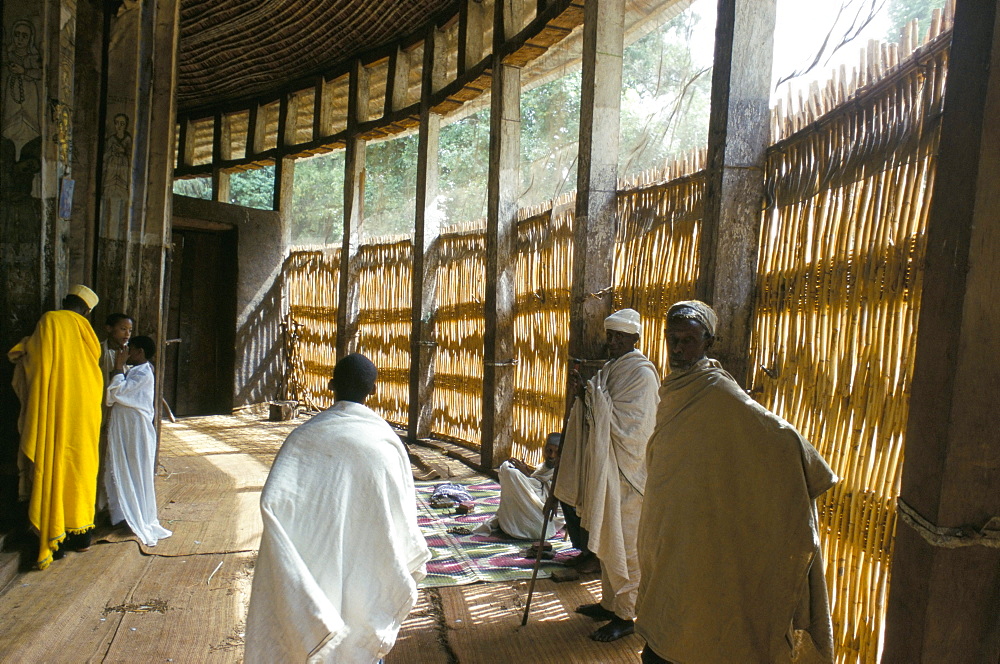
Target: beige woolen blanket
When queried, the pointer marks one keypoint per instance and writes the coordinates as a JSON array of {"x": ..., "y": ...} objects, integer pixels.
[
  {"x": 728, "y": 542},
  {"x": 605, "y": 443}
]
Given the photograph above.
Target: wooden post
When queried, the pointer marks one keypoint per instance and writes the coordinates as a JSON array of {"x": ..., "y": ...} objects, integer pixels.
[
  {"x": 284, "y": 167},
  {"x": 423, "y": 347},
  {"x": 501, "y": 231},
  {"x": 159, "y": 191},
  {"x": 221, "y": 149},
  {"x": 597, "y": 181},
  {"x": 943, "y": 601},
  {"x": 737, "y": 140},
  {"x": 354, "y": 194}
]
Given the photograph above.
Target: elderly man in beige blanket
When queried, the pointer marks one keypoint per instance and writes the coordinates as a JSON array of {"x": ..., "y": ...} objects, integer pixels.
[
  {"x": 603, "y": 470},
  {"x": 728, "y": 542},
  {"x": 341, "y": 554}
]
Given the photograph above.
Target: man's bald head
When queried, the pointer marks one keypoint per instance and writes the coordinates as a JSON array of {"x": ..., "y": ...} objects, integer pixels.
[{"x": 353, "y": 378}]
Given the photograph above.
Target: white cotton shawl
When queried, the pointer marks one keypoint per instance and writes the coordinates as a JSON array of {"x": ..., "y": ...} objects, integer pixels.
[
  {"x": 131, "y": 454},
  {"x": 521, "y": 501},
  {"x": 341, "y": 554},
  {"x": 605, "y": 444}
]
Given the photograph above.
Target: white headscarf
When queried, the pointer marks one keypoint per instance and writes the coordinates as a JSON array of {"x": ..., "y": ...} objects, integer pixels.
[
  {"x": 626, "y": 320},
  {"x": 695, "y": 310}
]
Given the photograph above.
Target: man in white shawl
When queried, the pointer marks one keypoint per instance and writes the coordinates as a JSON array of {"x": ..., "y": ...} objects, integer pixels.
[
  {"x": 341, "y": 554},
  {"x": 603, "y": 468},
  {"x": 523, "y": 492},
  {"x": 130, "y": 455},
  {"x": 728, "y": 541}
]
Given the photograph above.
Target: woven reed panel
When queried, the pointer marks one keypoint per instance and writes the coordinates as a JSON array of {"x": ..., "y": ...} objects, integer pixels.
[
  {"x": 541, "y": 327},
  {"x": 311, "y": 280},
  {"x": 460, "y": 330},
  {"x": 656, "y": 254},
  {"x": 834, "y": 338},
  {"x": 385, "y": 282}
]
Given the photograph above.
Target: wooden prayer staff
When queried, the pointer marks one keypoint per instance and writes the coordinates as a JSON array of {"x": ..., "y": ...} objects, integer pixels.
[{"x": 547, "y": 513}]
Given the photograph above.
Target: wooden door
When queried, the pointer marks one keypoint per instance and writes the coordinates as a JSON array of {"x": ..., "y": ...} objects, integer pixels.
[{"x": 198, "y": 362}]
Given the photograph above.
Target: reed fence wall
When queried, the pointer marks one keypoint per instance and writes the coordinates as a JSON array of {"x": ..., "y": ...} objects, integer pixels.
[
  {"x": 541, "y": 326},
  {"x": 838, "y": 292},
  {"x": 385, "y": 280},
  {"x": 311, "y": 279},
  {"x": 460, "y": 330},
  {"x": 848, "y": 183}
]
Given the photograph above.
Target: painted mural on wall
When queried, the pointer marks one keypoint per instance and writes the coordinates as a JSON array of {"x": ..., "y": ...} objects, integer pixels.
[
  {"x": 117, "y": 176},
  {"x": 20, "y": 166}
]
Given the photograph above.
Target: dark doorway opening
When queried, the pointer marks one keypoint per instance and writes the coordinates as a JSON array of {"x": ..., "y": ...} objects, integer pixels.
[{"x": 199, "y": 359}]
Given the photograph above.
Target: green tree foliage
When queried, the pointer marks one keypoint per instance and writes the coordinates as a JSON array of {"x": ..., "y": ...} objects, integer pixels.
[
  {"x": 665, "y": 105},
  {"x": 317, "y": 215},
  {"x": 463, "y": 165},
  {"x": 390, "y": 186},
  {"x": 902, "y": 12},
  {"x": 194, "y": 187},
  {"x": 550, "y": 132},
  {"x": 666, "y": 96},
  {"x": 254, "y": 188}
]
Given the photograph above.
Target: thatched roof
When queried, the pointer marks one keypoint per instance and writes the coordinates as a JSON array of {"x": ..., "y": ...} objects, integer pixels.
[{"x": 235, "y": 49}]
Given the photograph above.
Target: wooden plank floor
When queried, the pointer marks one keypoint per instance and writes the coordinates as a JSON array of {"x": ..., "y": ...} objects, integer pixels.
[{"x": 185, "y": 600}]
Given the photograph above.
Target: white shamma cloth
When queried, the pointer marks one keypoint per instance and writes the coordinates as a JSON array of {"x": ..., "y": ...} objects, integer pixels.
[
  {"x": 341, "y": 554},
  {"x": 603, "y": 469},
  {"x": 522, "y": 498},
  {"x": 131, "y": 454}
]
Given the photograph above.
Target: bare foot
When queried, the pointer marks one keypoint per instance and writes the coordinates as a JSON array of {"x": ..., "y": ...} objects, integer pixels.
[
  {"x": 590, "y": 566},
  {"x": 614, "y": 630},
  {"x": 596, "y": 611}
]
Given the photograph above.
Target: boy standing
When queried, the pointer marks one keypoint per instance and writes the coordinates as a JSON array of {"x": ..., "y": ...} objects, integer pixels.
[{"x": 132, "y": 443}]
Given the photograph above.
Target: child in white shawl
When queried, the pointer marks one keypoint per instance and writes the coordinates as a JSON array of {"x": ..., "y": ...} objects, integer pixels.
[{"x": 132, "y": 443}]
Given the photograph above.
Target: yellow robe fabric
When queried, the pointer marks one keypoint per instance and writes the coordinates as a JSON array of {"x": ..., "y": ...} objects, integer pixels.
[
  {"x": 728, "y": 541},
  {"x": 58, "y": 380}
]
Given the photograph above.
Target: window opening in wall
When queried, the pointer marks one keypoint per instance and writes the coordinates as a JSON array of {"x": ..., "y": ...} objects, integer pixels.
[
  {"x": 666, "y": 88},
  {"x": 390, "y": 186},
  {"x": 813, "y": 40},
  {"x": 318, "y": 200},
  {"x": 194, "y": 187},
  {"x": 463, "y": 163},
  {"x": 253, "y": 188}
]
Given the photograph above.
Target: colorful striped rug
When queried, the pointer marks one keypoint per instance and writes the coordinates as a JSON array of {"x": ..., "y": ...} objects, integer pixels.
[{"x": 459, "y": 559}]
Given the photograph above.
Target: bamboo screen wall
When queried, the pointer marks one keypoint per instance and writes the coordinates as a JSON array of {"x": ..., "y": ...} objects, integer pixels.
[
  {"x": 838, "y": 292},
  {"x": 541, "y": 327},
  {"x": 656, "y": 256},
  {"x": 311, "y": 281},
  {"x": 385, "y": 278},
  {"x": 458, "y": 374}
]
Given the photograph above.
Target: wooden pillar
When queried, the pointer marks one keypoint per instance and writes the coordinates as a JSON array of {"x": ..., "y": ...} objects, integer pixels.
[
  {"x": 501, "y": 231},
  {"x": 423, "y": 347},
  {"x": 737, "y": 142},
  {"x": 354, "y": 194},
  {"x": 597, "y": 182},
  {"x": 284, "y": 167},
  {"x": 221, "y": 150},
  {"x": 943, "y": 601}
]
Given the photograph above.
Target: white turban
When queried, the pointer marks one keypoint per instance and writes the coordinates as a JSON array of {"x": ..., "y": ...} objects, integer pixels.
[
  {"x": 626, "y": 320},
  {"x": 695, "y": 310}
]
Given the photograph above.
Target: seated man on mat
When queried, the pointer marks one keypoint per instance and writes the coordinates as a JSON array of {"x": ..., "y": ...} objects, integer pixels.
[{"x": 523, "y": 491}]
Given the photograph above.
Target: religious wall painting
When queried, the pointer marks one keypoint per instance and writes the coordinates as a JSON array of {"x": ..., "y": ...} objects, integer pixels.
[
  {"x": 117, "y": 177},
  {"x": 22, "y": 87}
]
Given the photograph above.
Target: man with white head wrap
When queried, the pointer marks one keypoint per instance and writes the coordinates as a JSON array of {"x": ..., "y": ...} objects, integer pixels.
[
  {"x": 603, "y": 470},
  {"x": 728, "y": 541}
]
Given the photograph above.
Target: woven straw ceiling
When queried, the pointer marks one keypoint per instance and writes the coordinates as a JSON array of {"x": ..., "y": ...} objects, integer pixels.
[{"x": 236, "y": 49}]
